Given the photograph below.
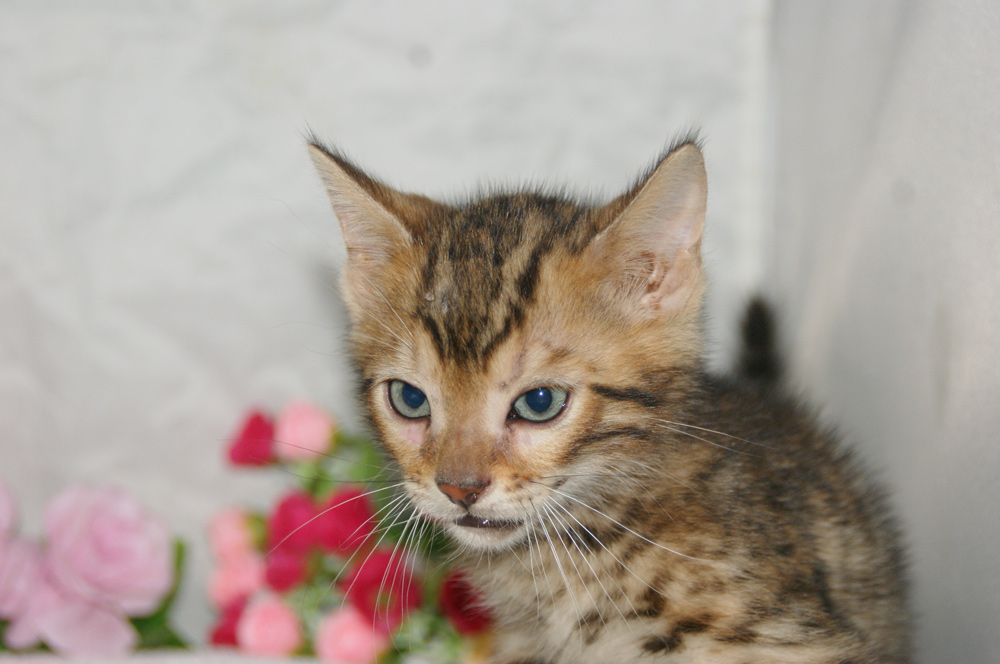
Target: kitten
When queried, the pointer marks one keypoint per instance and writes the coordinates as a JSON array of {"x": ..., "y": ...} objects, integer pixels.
[{"x": 533, "y": 366}]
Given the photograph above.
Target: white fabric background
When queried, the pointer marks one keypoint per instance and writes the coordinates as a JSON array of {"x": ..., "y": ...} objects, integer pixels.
[
  {"x": 167, "y": 255},
  {"x": 886, "y": 260}
]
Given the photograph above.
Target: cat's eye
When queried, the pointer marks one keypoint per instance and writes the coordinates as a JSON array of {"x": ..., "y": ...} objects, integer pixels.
[
  {"x": 407, "y": 400},
  {"x": 540, "y": 404}
]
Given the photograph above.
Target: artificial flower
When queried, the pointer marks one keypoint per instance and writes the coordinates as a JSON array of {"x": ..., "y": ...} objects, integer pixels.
[
  {"x": 103, "y": 545},
  {"x": 292, "y": 524},
  {"x": 382, "y": 587},
  {"x": 268, "y": 626},
  {"x": 462, "y": 603},
  {"x": 236, "y": 578},
  {"x": 229, "y": 534},
  {"x": 253, "y": 444},
  {"x": 224, "y": 631},
  {"x": 346, "y": 521},
  {"x": 346, "y": 636},
  {"x": 285, "y": 569},
  {"x": 303, "y": 432},
  {"x": 20, "y": 575},
  {"x": 71, "y": 624}
]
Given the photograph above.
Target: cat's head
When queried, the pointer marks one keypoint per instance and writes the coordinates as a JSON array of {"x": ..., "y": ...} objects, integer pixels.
[{"x": 509, "y": 347}]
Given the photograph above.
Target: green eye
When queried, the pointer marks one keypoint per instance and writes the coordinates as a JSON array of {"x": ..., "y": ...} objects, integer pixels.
[
  {"x": 407, "y": 400},
  {"x": 540, "y": 404}
]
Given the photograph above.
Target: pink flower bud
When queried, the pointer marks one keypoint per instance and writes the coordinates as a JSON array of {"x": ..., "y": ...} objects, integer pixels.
[
  {"x": 303, "y": 432},
  {"x": 268, "y": 627},
  {"x": 229, "y": 534},
  {"x": 236, "y": 578},
  {"x": 346, "y": 636}
]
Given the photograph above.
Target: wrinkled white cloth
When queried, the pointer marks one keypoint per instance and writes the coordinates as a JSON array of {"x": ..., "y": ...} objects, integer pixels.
[{"x": 168, "y": 258}]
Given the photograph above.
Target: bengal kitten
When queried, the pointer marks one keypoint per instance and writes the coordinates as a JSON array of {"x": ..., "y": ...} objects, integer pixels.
[{"x": 533, "y": 364}]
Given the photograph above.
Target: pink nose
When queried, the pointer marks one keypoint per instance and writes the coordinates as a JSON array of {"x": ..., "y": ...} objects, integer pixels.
[{"x": 463, "y": 494}]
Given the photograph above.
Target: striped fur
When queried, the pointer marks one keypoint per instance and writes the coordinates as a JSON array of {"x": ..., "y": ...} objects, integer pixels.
[{"x": 665, "y": 514}]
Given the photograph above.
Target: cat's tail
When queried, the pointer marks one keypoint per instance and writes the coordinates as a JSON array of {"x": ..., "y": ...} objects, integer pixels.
[{"x": 759, "y": 360}]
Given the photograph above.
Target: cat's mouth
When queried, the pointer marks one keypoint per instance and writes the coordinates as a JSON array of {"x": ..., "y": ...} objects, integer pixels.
[{"x": 470, "y": 521}]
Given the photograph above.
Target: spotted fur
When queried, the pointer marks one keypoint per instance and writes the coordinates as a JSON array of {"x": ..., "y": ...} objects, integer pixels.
[{"x": 665, "y": 514}]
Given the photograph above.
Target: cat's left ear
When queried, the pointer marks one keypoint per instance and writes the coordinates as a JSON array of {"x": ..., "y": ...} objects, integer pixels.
[
  {"x": 653, "y": 238},
  {"x": 378, "y": 222}
]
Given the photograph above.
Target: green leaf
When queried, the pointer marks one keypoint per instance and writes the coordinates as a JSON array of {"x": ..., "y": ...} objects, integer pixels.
[{"x": 155, "y": 630}]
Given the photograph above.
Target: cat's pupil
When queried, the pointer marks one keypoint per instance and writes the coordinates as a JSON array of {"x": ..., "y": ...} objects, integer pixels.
[
  {"x": 539, "y": 399},
  {"x": 412, "y": 397}
]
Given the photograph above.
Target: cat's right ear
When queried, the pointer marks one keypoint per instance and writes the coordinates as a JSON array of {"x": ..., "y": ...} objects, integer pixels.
[
  {"x": 651, "y": 241},
  {"x": 368, "y": 211}
]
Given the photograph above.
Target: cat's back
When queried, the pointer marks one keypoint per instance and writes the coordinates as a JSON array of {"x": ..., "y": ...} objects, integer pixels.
[{"x": 805, "y": 522}]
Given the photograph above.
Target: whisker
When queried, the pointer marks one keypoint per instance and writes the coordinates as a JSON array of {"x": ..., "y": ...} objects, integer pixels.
[
  {"x": 548, "y": 511},
  {"x": 623, "y": 526},
  {"x": 328, "y": 509},
  {"x": 395, "y": 508},
  {"x": 569, "y": 532},
  {"x": 721, "y": 433},
  {"x": 704, "y": 440},
  {"x": 616, "y": 559}
]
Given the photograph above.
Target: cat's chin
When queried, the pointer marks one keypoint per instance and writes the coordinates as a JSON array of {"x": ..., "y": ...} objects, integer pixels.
[{"x": 484, "y": 535}]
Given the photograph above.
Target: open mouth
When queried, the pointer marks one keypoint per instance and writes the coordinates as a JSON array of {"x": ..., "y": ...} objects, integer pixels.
[{"x": 469, "y": 521}]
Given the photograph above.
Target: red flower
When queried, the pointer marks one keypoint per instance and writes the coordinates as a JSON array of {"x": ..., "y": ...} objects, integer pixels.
[
  {"x": 254, "y": 444},
  {"x": 346, "y": 521},
  {"x": 224, "y": 632},
  {"x": 285, "y": 569},
  {"x": 383, "y": 589},
  {"x": 462, "y": 603},
  {"x": 291, "y": 525}
]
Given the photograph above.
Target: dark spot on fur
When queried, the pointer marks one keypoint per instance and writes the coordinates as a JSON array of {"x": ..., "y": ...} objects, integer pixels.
[
  {"x": 739, "y": 634},
  {"x": 659, "y": 644},
  {"x": 591, "y": 624},
  {"x": 674, "y": 641}
]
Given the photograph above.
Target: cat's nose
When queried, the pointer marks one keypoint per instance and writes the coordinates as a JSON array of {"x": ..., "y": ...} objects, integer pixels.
[{"x": 463, "y": 494}]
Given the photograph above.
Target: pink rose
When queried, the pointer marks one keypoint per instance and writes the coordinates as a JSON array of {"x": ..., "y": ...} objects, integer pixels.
[
  {"x": 347, "y": 636},
  {"x": 8, "y": 511},
  {"x": 71, "y": 625},
  {"x": 229, "y": 534},
  {"x": 303, "y": 432},
  {"x": 20, "y": 575},
  {"x": 268, "y": 627},
  {"x": 236, "y": 578},
  {"x": 103, "y": 546}
]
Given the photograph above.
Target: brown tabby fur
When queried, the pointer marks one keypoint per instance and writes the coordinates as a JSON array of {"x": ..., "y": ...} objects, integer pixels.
[{"x": 665, "y": 514}]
